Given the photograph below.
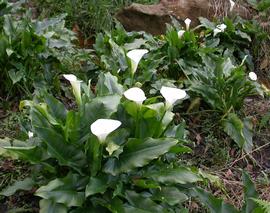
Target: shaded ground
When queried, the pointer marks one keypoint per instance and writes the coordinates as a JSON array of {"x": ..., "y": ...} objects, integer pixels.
[{"x": 218, "y": 155}]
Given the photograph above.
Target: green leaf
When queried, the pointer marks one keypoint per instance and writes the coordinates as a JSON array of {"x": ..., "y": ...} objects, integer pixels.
[
  {"x": 265, "y": 120},
  {"x": 25, "y": 184},
  {"x": 108, "y": 85},
  {"x": 180, "y": 175},
  {"x": 48, "y": 206},
  {"x": 72, "y": 127},
  {"x": 263, "y": 5},
  {"x": 250, "y": 192},
  {"x": 214, "y": 204},
  {"x": 96, "y": 185},
  {"x": 227, "y": 66},
  {"x": 137, "y": 43},
  {"x": 142, "y": 202},
  {"x": 94, "y": 154},
  {"x": 131, "y": 209},
  {"x": 252, "y": 2},
  {"x": 206, "y": 23},
  {"x": 15, "y": 76},
  {"x": 66, "y": 154},
  {"x": 3, "y": 47},
  {"x": 56, "y": 108},
  {"x": 9, "y": 52},
  {"x": 170, "y": 195},
  {"x": 240, "y": 132},
  {"x": 65, "y": 191},
  {"x": 101, "y": 107},
  {"x": 263, "y": 206},
  {"x": 33, "y": 154},
  {"x": 8, "y": 25},
  {"x": 26, "y": 150},
  {"x": 138, "y": 153},
  {"x": 146, "y": 184},
  {"x": 243, "y": 35}
]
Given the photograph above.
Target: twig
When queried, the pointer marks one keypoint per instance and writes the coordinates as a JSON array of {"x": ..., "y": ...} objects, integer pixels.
[{"x": 255, "y": 150}]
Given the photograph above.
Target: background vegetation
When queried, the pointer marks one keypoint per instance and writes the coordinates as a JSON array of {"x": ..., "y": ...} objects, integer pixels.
[{"x": 50, "y": 157}]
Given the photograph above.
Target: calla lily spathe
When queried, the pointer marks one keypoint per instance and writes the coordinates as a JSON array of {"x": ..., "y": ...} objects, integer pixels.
[
  {"x": 220, "y": 28},
  {"x": 180, "y": 33},
  {"x": 76, "y": 86},
  {"x": 253, "y": 76},
  {"x": 232, "y": 3},
  {"x": 135, "y": 94},
  {"x": 171, "y": 95},
  {"x": 103, "y": 127},
  {"x": 30, "y": 134},
  {"x": 135, "y": 56},
  {"x": 187, "y": 22}
]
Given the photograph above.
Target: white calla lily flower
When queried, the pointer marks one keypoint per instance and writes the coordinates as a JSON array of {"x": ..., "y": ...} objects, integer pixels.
[
  {"x": 103, "y": 127},
  {"x": 232, "y": 3},
  {"x": 76, "y": 86},
  {"x": 135, "y": 56},
  {"x": 171, "y": 95},
  {"x": 180, "y": 33},
  {"x": 216, "y": 31},
  {"x": 220, "y": 28},
  {"x": 30, "y": 134},
  {"x": 135, "y": 94},
  {"x": 253, "y": 76},
  {"x": 187, "y": 22}
]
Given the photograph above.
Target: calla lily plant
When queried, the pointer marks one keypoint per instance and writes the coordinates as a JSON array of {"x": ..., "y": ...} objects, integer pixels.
[{"x": 76, "y": 86}]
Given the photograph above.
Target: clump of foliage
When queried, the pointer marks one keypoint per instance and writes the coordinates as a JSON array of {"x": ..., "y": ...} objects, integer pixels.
[
  {"x": 212, "y": 63},
  {"x": 31, "y": 53},
  {"x": 132, "y": 169}
]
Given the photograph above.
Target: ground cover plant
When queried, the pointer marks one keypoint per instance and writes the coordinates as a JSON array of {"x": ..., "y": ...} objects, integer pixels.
[
  {"x": 144, "y": 123},
  {"x": 31, "y": 52}
]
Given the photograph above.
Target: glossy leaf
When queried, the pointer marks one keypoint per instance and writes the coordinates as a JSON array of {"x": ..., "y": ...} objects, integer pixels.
[
  {"x": 240, "y": 132},
  {"x": 214, "y": 204},
  {"x": 15, "y": 76},
  {"x": 180, "y": 175},
  {"x": 96, "y": 185},
  {"x": 66, "y": 154},
  {"x": 32, "y": 154},
  {"x": 25, "y": 184},
  {"x": 65, "y": 191},
  {"x": 250, "y": 194},
  {"x": 170, "y": 195},
  {"x": 56, "y": 108},
  {"x": 48, "y": 206},
  {"x": 138, "y": 153},
  {"x": 108, "y": 85},
  {"x": 144, "y": 203}
]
